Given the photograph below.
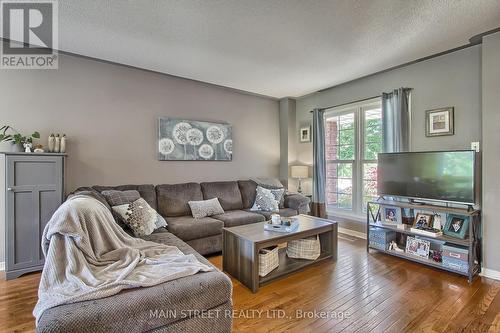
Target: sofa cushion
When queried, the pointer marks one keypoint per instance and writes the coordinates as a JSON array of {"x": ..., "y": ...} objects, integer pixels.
[
  {"x": 228, "y": 194},
  {"x": 146, "y": 191},
  {"x": 173, "y": 199},
  {"x": 188, "y": 228},
  {"x": 284, "y": 212},
  {"x": 234, "y": 218},
  {"x": 248, "y": 189},
  {"x": 199, "y": 292}
]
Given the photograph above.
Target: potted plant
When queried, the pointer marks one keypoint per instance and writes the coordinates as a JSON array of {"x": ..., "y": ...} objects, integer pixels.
[
  {"x": 12, "y": 141},
  {"x": 5, "y": 139}
]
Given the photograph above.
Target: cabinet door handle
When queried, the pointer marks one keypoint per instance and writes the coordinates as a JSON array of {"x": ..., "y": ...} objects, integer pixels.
[{"x": 10, "y": 189}]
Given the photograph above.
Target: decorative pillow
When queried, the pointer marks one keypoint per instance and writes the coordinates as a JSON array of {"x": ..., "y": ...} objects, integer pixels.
[
  {"x": 265, "y": 200},
  {"x": 279, "y": 195},
  {"x": 160, "y": 221},
  {"x": 205, "y": 208},
  {"x": 117, "y": 198},
  {"x": 139, "y": 216},
  {"x": 275, "y": 186}
]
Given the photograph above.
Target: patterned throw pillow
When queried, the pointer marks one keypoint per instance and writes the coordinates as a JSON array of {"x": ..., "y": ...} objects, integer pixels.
[
  {"x": 265, "y": 200},
  {"x": 279, "y": 195},
  {"x": 117, "y": 198},
  {"x": 275, "y": 186},
  {"x": 205, "y": 208},
  {"x": 139, "y": 216}
]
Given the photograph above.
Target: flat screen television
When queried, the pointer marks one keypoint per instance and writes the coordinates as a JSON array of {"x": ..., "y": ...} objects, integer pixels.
[{"x": 444, "y": 175}]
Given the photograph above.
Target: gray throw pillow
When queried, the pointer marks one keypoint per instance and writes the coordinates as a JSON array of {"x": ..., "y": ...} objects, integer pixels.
[
  {"x": 269, "y": 183},
  {"x": 116, "y": 198},
  {"x": 265, "y": 200},
  {"x": 205, "y": 208}
]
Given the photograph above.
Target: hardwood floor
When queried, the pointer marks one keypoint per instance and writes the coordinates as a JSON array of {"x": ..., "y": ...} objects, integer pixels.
[{"x": 359, "y": 293}]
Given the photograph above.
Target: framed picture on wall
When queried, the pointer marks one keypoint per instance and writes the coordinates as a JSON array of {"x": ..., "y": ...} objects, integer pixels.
[
  {"x": 439, "y": 122},
  {"x": 305, "y": 134}
]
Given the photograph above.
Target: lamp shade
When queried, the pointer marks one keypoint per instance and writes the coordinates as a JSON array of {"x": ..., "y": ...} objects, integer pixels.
[{"x": 300, "y": 171}]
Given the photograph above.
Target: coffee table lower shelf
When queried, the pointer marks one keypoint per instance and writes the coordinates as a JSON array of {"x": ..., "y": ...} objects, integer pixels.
[{"x": 289, "y": 265}]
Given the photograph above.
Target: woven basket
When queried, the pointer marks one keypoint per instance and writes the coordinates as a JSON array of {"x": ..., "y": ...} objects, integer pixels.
[
  {"x": 305, "y": 248},
  {"x": 268, "y": 260}
]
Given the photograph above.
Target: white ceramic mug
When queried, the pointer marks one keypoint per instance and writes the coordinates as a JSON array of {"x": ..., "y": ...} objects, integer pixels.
[{"x": 276, "y": 219}]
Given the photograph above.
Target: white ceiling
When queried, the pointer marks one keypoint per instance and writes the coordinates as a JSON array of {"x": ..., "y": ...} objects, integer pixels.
[{"x": 272, "y": 47}]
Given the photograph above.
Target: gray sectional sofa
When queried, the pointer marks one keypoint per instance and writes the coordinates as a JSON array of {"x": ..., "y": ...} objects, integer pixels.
[
  {"x": 180, "y": 305},
  {"x": 205, "y": 235}
]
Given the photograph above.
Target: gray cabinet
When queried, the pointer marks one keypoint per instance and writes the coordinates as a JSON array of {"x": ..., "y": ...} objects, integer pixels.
[{"x": 32, "y": 191}]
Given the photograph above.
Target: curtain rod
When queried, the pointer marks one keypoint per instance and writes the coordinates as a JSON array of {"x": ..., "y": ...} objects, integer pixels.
[{"x": 336, "y": 106}]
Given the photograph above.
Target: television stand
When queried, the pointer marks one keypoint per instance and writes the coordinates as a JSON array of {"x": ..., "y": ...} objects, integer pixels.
[
  {"x": 413, "y": 202},
  {"x": 472, "y": 241}
]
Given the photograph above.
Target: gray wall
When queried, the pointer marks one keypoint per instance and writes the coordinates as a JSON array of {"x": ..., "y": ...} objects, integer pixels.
[
  {"x": 288, "y": 139},
  {"x": 449, "y": 80},
  {"x": 491, "y": 144},
  {"x": 109, "y": 112}
]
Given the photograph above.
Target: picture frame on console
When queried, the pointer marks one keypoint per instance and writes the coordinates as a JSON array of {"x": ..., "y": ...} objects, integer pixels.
[
  {"x": 391, "y": 215},
  {"x": 456, "y": 226},
  {"x": 418, "y": 247},
  {"x": 423, "y": 221}
]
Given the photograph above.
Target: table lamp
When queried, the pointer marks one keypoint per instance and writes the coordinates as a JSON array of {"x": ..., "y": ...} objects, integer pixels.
[{"x": 300, "y": 172}]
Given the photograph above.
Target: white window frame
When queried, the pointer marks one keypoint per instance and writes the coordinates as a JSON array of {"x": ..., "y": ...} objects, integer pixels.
[{"x": 358, "y": 108}]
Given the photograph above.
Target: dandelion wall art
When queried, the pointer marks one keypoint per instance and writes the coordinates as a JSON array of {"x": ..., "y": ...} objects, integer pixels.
[{"x": 190, "y": 140}]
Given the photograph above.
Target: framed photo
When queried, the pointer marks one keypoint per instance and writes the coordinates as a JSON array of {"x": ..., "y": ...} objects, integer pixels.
[
  {"x": 305, "y": 134},
  {"x": 423, "y": 221},
  {"x": 439, "y": 220},
  {"x": 418, "y": 247},
  {"x": 439, "y": 122},
  {"x": 391, "y": 215},
  {"x": 456, "y": 226}
]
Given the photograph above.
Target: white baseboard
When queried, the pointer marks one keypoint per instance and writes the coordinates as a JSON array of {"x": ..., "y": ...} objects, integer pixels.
[
  {"x": 490, "y": 273},
  {"x": 2, "y": 266},
  {"x": 353, "y": 233}
]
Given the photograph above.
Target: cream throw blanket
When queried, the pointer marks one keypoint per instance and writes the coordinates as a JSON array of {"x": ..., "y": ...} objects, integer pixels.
[{"x": 88, "y": 256}]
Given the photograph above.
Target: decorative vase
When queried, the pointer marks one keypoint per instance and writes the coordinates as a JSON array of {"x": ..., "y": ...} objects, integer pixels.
[
  {"x": 62, "y": 148},
  {"x": 57, "y": 145},
  {"x": 51, "y": 143},
  {"x": 16, "y": 148}
]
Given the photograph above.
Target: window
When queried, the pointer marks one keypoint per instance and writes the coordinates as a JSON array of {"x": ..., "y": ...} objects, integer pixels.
[{"x": 353, "y": 138}]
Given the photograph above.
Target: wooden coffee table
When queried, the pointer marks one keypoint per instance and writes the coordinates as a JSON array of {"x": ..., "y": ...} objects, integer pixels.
[{"x": 241, "y": 245}]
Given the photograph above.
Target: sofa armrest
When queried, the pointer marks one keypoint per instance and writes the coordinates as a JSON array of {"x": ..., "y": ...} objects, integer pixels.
[{"x": 298, "y": 202}]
